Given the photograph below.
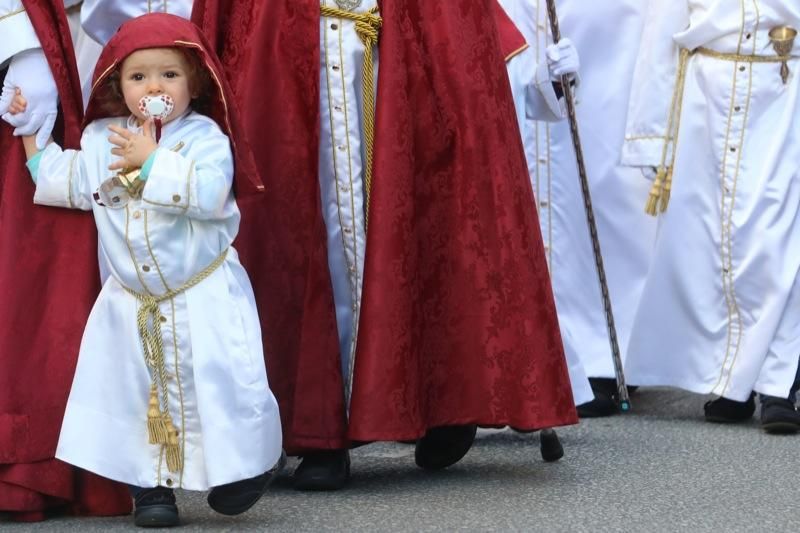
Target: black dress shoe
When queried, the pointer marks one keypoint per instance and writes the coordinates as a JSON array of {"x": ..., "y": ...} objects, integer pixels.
[
  {"x": 605, "y": 399},
  {"x": 444, "y": 446},
  {"x": 323, "y": 470},
  {"x": 725, "y": 411},
  {"x": 155, "y": 508},
  {"x": 237, "y": 497},
  {"x": 779, "y": 416}
]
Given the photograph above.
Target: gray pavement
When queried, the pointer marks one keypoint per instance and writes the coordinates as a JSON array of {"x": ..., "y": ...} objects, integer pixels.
[{"x": 661, "y": 468}]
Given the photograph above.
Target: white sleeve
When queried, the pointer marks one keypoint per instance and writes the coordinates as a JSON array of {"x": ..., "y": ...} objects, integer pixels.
[
  {"x": 62, "y": 179},
  {"x": 533, "y": 87},
  {"x": 654, "y": 80},
  {"x": 196, "y": 183},
  {"x": 16, "y": 30},
  {"x": 100, "y": 19}
]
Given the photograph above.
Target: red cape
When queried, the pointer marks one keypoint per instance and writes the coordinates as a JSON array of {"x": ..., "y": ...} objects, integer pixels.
[
  {"x": 458, "y": 323},
  {"x": 49, "y": 281}
]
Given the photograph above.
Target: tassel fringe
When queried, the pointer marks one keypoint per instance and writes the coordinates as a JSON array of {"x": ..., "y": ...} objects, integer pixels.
[
  {"x": 665, "y": 193},
  {"x": 655, "y": 193},
  {"x": 174, "y": 457},
  {"x": 156, "y": 428}
]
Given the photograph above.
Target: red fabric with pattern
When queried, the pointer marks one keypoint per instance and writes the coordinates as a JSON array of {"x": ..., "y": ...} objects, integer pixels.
[
  {"x": 458, "y": 323},
  {"x": 49, "y": 280}
]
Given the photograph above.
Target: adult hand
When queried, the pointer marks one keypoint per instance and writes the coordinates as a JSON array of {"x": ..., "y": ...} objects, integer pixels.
[
  {"x": 133, "y": 148},
  {"x": 30, "y": 72},
  {"x": 562, "y": 59}
]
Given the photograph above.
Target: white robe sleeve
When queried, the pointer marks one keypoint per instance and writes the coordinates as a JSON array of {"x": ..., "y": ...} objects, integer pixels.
[
  {"x": 532, "y": 87},
  {"x": 100, "y": 19},
  {"x": 62, "y": 179},
  {"x": 196, "y": 184},
  {"x": 16, "y": 30},
  {"x": 654, "y": 82}
]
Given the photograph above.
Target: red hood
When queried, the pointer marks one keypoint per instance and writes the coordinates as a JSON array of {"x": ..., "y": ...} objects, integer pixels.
[{"x": 161, "y": 30}]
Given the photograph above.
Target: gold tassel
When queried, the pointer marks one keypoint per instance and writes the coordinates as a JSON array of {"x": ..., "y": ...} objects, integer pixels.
[
  {"x": 655, "y": 193},
  {"x": 665, "y": 193},
  {"x": 156, "y": 429},
  {"x": 174, "y": 457}
]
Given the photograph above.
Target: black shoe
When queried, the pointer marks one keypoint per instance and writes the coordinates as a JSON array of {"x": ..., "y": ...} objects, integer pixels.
[
  {"x": 155, "y": 508},
  {"x": 605, "y": 399},
  {"x": 444, "y": 446},
  {"x": 779, "y": 416},
  {"x": 237, "y": 497},
  {"x": 323, "y": 470},
  {"x": 725, "y": 411}
]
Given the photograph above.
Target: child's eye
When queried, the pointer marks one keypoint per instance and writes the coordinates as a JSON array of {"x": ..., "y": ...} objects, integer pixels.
[
  {"x": 171, "y": 74},
  {"x": 137, "y": 77}
]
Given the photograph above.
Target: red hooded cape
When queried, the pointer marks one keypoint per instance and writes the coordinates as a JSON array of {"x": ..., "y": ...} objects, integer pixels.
[
  {"x": 49, "y": 280},
  {"x": 161, "y": 30},
  {"x": 458, "y": 323}
]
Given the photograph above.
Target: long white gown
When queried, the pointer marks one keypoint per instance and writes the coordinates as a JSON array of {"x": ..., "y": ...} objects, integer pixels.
[
  {"x": 720, "y": 311},
  {"x": 219, "y": 398},
  {"x": 606, "y": 35}
]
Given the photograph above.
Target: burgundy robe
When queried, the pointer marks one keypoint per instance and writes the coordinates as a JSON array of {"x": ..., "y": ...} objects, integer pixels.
[
  {"x": 458, "y": 323},
  {"x": 48, "y": 281}
]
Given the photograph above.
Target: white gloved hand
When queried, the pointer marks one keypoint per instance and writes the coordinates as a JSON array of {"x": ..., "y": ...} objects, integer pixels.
[
  {"x": 562, "y": 59},
  {"x": 30, "y": 72}
]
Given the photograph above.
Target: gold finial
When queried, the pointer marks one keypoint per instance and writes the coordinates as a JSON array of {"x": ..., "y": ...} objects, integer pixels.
[{"x": 782, "y": 38}]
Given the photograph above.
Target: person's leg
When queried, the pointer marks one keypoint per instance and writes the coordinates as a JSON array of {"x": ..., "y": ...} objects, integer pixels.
[{"x": 727, "y": 411}]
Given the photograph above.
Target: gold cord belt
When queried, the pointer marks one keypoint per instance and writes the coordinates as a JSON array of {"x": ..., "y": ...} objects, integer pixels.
[
  {"x": 662, "y": 185},
  {"x": 741, "y": 58},
  {"x": 160, "y": 428},
  {"x": 368, "y": 26}
]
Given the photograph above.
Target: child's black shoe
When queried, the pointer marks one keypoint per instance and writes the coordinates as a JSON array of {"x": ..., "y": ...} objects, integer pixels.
[
  {"x": 239, "y": 496},
  {"x": 155, "y": 508}
]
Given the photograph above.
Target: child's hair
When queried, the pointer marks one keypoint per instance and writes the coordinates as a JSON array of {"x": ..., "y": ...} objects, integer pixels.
[{"x": 112, "y": 102}]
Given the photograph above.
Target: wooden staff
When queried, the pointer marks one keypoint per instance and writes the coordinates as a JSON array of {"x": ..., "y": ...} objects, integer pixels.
[{"x": 622, "y": 391}]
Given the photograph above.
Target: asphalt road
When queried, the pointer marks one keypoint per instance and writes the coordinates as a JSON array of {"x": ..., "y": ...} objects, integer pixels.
[{"x": 660, "y": 468}]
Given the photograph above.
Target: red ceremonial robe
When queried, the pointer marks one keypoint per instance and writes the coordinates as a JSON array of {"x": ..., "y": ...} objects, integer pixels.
[
  {"x": 48, "y": 280},
  {"x": 458, "y": 323}
]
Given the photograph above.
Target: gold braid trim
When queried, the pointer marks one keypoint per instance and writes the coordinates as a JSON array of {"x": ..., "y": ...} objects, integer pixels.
[
  {"x": 12, "y": 13},
  {"x": 160, "y": 428},
  {"x": 368, "y": 26}
]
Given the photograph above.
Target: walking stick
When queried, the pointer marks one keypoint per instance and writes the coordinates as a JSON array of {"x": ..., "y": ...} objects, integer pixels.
[{"x": 622, "y": 391}]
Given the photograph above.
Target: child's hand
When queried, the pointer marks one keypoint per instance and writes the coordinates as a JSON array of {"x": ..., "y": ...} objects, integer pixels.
[
  {"x": 18, "y": 103},
  {"x": 133, "y": 148}
]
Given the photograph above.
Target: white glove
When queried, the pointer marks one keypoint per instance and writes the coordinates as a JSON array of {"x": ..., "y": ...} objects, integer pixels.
[
  {"x": 30, "y": 72},
  {"x": 562, "y": 59}
]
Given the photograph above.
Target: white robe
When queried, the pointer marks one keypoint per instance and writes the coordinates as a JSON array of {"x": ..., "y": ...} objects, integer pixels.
[
  {"x": 606, "y": 35},
  {"x": 720, "y": 311},
  {"x": 342, "y": 162},
  {"x": 219, "y": 398}
]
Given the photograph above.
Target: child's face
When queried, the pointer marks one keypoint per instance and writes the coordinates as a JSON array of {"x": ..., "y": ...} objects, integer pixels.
[{"x": 155, "y": 71}]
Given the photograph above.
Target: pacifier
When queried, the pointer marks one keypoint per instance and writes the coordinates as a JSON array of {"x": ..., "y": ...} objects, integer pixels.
[{"x": 158, "y": 108}]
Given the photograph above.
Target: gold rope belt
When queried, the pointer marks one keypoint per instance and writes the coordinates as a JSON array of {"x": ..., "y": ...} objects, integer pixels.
[
  {"x": 368, "y": 26},
  {"x": 741, "y": 58},
  {"x": 658, "y": 199},
  {"x": 160, "y": 429}
]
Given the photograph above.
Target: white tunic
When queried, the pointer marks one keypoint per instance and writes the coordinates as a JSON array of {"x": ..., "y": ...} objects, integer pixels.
[
  {"x": 720, "y": 311},
  {"x": 219, "y": 398},
  {"x": 606, "y": 35}
]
